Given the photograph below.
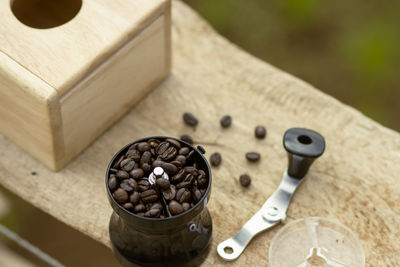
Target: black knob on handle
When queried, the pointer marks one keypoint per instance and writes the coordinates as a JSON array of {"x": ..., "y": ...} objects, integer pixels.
[{"x": 303, "y": 147}]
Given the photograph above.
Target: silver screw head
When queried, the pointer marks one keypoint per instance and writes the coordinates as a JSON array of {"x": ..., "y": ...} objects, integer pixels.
[{"x": 158, "y": 172}]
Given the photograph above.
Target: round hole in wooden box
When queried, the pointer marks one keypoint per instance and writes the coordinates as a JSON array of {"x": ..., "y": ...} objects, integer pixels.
[{"x": 45, "y": 14}]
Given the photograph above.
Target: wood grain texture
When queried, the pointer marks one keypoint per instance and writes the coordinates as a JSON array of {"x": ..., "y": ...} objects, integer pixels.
[
  {"x": 111, "y": 90},
  {"x": 355, "y": 182},
  {"x": 99, "y": 29},
  {"x": 30, "y": 110}
]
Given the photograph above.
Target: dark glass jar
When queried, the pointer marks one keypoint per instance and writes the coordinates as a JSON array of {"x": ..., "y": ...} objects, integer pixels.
[{"x": 155, "y": 241}]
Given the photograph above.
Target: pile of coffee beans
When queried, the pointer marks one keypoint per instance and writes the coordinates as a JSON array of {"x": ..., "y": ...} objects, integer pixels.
[{"x": 131, "y": 188}]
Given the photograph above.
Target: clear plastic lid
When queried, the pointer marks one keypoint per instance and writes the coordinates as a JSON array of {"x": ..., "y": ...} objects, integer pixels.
[{"x": 316, "y": 242}]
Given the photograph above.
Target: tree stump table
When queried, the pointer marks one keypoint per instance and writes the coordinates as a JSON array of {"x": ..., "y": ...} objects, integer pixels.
[{"x": 355, "y": 182}]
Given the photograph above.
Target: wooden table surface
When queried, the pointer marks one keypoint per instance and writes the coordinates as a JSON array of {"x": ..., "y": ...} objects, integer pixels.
[{"x": 356, "y": 181}]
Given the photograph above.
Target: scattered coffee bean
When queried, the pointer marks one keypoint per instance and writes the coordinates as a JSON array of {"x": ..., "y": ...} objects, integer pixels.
[
  {"x": 120, "y": 195},
  {"x": 122, "y": 175},
  {"x": 187, "y": 138},
  {"x": 245, "y": 180},
  {"x": 181, "y": 159},
  {"x": 215, "y": 159},
  {"x": 129, "y": 185},
  {"x": 134, "y": 198},
  {"x": 112, "y": 182},
  {"x": 163, "y": 184},
  {"x": 149, "y": 196},
  {"x": 175, "y": 208},
  {"x": 190, "y": 119},
  {"x": 226, "y": 121},
  {"x": 157, "y": 163},
  {"x": 253, "y": 156},
  {"x": 137, "y": 173},
  {"x": 260, "y": 132}
]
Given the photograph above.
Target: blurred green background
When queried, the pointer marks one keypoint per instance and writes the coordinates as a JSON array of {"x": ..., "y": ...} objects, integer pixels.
[{"x": 348, "y": 49}]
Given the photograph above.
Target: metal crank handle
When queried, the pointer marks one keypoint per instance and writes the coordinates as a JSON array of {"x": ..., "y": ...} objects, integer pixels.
[
  {"x": 303, "y": 147},
  {"x": 231, "y": 248}
]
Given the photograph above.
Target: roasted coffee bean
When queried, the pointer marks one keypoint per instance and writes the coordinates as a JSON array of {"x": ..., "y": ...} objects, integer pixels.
[
  {"x": 197, "y": 195},
  {"x": 146, "y": 156},
  {"x": 156, "y": 205},
  {"x": 133, "y": 154},
  {"x": 122, "y": 175},
  {"x": 120, "y": 195},
  {"x": 260, "y": 132},
  {"x": 139, "y": 208},
  {"x": 143, "y": 185},
  {"x": 149, "y": 196},
  {"x": 190, "y": 119},
  {"x": 184, "y": 151},
  {"x": 153, "y": 142},
  {"x": 203, "y": 191},
  {"x": 163, "y": 183},
  {"x": 129, "y": 185},
  {"x": 127, "y": 164},
  {"x": 177, "y": 178},
  {"x": 170, "y": 193},
  {"x": 202, "y": 181},
  {"x": 128, "y": 206},
  {"x": 185, "y": 206},
  {"x": 141, "y": 214},
  {"x": 153, "y": 213},
  {"x": 187, "y": 138},
  {"x": 189, "y": 169},
  {"x": 162, "y": 147},
  {"x": 153, "y": 152},
  {"x": 116, "y": 164},
  {"x": 147, "y": 168},
  {"x": 177, "y": 164},
  {"x": 157, "y": 163},
  {"x": 181, "y": 159},
  {"x": 245, "y": 180},
  {"x": 143, "y": 146},
  {"x": 174, "y": 143},
  {"x": 137, "y": 173},
  {"x": 134, "y": 198},
  {"x": 169, "y": 154},
  {"x": 183, "y": 195},
  {"x": 215, "y": 159},
  {"x": 253, "y": 156},
  {"x": 134, "y": 146},
  {"x": 175, "y": 208},
  {"x": 169, "y": 168},
  {"x": 112, "y": 182},
  {"x": 226, "y": 121},
  {"x": 187, "y": 182}
]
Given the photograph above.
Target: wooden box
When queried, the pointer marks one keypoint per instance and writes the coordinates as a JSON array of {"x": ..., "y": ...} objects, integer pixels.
[{"x": 62, "y": 86}]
